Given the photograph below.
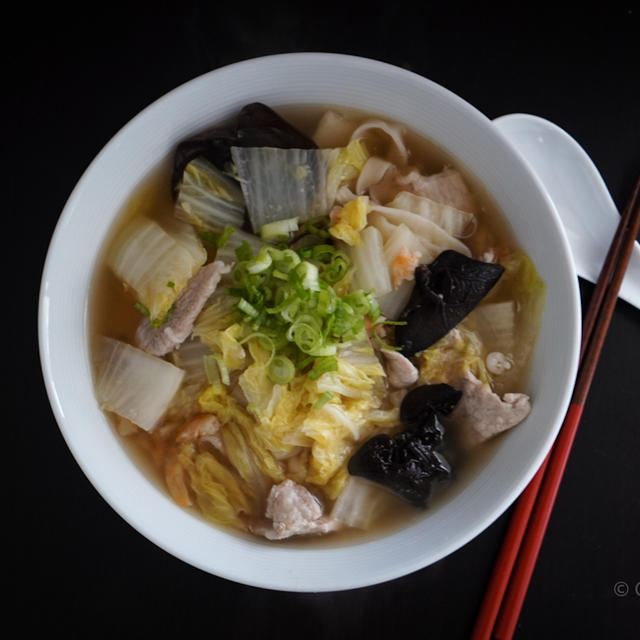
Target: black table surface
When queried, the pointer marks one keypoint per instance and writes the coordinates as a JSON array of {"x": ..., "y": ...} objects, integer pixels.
[{"x": 74, "y": 79}]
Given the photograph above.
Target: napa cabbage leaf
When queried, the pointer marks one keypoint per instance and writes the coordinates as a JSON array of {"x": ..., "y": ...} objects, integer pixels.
[
  {"x": 447, "y": 361},
  {"x": 156, "y": 262},
  {"x": 220, "y": 494}
]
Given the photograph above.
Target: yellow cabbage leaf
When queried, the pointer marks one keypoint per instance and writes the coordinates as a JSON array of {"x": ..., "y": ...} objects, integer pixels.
[
  {"x": 261, "y": 393},
  {"x": 452, "y": 356},
  {"x": 217, "y": 400},
  {"x": 351, "y": 219},
  {"x": 320, "y": 436},
  {"x": 218, "y": 492},
  {"x": 347, "y": 164},
  {"x": 227, "y": 343},
  {"x": 281, "y": 432},
  {"x": 335, "y": 429},
  {"x": 242, "y": 457},
  {"x": 218, "y": 316},
  {"x": 334, "y": 487},
  {"x": 350, "y": 380},
  {"x": 332, "y": 443}
]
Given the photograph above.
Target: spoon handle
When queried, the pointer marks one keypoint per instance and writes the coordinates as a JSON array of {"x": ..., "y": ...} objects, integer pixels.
[{"x": 573, "y": 183}]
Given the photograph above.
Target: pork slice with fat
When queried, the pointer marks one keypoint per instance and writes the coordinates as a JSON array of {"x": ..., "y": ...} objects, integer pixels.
[
  {"x": 481, "y": 414},
  {"x": 293, "y": 510},
  {"x": 159, "y": 341},
  {"x": 401, "y": 372}
]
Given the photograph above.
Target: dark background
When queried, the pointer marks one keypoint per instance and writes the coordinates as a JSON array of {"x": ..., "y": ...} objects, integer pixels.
[{"x": 72, "y": 80}]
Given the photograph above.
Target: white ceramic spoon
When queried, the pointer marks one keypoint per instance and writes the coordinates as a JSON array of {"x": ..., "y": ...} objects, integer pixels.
[{"x": 578, "y": 192}]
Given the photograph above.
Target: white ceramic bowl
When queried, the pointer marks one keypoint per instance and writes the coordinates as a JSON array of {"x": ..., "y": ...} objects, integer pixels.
[{"x": 306, "y": 78}]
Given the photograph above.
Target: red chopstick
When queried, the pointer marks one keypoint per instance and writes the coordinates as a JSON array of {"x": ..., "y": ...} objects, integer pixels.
[{"x": 515, "y": 564}]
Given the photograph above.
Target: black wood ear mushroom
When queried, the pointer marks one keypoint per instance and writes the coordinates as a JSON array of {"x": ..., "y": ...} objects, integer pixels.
[{"x": 446, "y": 291}]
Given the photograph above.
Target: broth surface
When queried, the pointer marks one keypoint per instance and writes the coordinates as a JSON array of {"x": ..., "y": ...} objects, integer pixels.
[{"x": 112, "y": 313}]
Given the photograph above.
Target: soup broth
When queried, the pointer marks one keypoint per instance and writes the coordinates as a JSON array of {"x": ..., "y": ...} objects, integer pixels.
[{"x": 115, "y": 312}]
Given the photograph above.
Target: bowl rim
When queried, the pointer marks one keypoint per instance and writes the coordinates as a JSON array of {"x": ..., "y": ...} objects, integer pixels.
[{"x": 263, "y": 581}]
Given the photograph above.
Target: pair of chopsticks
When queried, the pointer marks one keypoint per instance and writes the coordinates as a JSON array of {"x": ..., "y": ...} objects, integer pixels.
[{"x": 507, "y": 588}]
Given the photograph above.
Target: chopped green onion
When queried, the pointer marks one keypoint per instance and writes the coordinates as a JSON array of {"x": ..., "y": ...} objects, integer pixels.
[
  {"x": 224, "y": 372},
  {"x": 222, "y": 238},
  {"x": 304, "y": 362},
  {"x": 143, "y": 310},
  {"x": 358, "y": 301},
  {"x": 208, "y": 236},
  {"x": 322, "y": 366},
  {"x": 398, "y": 323},
  {"x": 384, "y": 345},
  {"x": 326, "y": 302},
  {"x": 322, "y": 400},
  {"x": 337, "y": 268},
  {"x": 318, "y": 227},
  {"x": 290, "y": 310},
  {"x": 279, "y": 230},
  {"x": 306, "y": 335},
  {"x": 261, "y": 262},
  {"x": 218, "y": 240},
  {"x": 158, "y": 322},
  {"x": 379, "y": 340},
  {"x": 374, "y": 307},
  {"x": 288, "y": 300},
  {"x": 244, "y": 252},
  {"x": 281, "y": 370},
  {"x": 323, "y": 252},
  {"x": 247, "y": 308},
  {"x": 327, "y": 349},
  {"x": 308, "y": 273},
  {"x": 268, "y": 345},
  {"x": 286, "y": 260}
]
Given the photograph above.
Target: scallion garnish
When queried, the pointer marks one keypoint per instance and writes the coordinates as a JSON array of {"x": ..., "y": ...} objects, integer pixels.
[
  {"x": 142, "y": 309},
  {"x": 289, "y": 299},
  {"x": 323, "y": 365},
  {"x": 281, "y": 370},
  {"x": 218, "y": 240},
  {"x": 279, "y": 230},
  {"x": 322, "y": 400},
  {"x": 243, "y": 252},
  {"x": 224, "y": 371}
]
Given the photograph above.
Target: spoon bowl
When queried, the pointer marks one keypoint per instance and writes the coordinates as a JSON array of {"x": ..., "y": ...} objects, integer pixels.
[{"x": 577, "y": 190}]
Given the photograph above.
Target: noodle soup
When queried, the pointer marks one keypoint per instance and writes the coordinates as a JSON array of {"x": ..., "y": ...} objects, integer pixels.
[{"x": 261, "y": 346}]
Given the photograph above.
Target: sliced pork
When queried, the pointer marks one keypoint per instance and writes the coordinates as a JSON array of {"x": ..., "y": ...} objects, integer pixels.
[
  {"x": 481, "y": 414},
  {"x": 401, "y": 372},
  {"x": 161, "y": 340},
  {"x": 293, "y": 510}
]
